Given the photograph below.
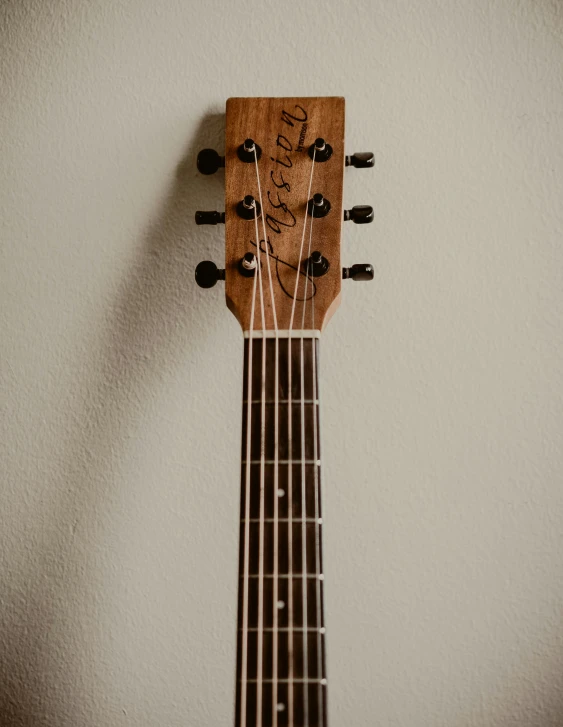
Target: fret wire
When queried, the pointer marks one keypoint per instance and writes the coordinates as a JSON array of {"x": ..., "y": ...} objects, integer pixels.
[
  {"x": 322, "y": 681},
  {"x": 319, "y": 576},
  {"x": 282, "y": 401},
  {"x": 284, "y": 461},
  {"x": 282, "y": 520},
  {"x": 312, "y": 629}
]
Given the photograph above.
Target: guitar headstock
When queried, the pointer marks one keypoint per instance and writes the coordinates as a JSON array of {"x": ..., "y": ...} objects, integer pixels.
[{"x": 284, "y": 168}]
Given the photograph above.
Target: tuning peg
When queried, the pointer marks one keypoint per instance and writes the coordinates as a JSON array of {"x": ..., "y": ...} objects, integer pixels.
[
  {"x": 207, "y": 274},
  {"x": 317, "y": 265},
  {"x": 209, "y": 161},
  {"x": 318, "y": 206},
  {"x": 361, "y": 160},
  {"x": 209, "y": 218},
  {"x": 361, "y": 214},
  {"x": 249, "y": 208},
  {"x": 249, "y": 151},
  {"x": 248, "y": 265},
  {"x": 364, "y": 271},
  {"x": 320, "y": 151}
]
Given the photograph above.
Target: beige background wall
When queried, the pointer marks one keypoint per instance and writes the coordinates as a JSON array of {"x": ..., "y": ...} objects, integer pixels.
[{"x": 121, "y": 381}]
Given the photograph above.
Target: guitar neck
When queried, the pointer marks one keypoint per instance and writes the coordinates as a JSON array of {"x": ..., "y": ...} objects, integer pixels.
[
  {"x": 284, "y": 172},
  {"x": 280, "y": 646}
]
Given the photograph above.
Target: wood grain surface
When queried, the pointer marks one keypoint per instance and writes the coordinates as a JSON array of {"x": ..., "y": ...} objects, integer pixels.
[{"x": 284, "y": 128}]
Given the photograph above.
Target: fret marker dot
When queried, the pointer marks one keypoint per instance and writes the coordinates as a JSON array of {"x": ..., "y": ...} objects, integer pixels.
[
  {"x": 318, "y": 463},
  {"x": 321, "y": 577},
  {"x": 322, "y": 630},
  {"x": 281, "y": 493},
  {"x": 280, "y": 604},
  {"x": 320, "y": 521},
  {"x": 323, "y": 682},
  {"x": 280, "y": 707}
]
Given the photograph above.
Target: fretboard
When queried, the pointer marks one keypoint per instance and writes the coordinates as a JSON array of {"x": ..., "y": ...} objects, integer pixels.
[{"x": 281, "y": 679}]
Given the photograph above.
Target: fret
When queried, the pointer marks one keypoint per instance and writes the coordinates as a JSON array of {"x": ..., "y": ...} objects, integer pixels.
[
  {"x": 284, "y": 412},
  {"x": 286, "y": 349},
  {"x": 278, "y": 689},
  {"x": 279, "y": 604},
  {"x": 270, "y": 494},
  {"x": 310, "y": 629},
  {"x": 300, "y": 638},
  {"x": 285, "y": 681},
  {"x": 283, "y": 520},
  {"x": 316, "y": 462},
  {"x": 297, "y": 402},
  {"x": 278, "y": 694},
  {"x": 320, "y": 576},
  {"x": 304, "y": 555}
]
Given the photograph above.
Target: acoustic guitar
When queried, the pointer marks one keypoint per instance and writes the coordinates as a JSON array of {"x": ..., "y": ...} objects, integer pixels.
[{"x": 284, "y": 170}]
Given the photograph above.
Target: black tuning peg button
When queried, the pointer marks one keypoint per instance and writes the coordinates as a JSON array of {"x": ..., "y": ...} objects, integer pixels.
[
  {"x": 209, "y": 161},
  {"x": 361, "y": 160},
  {"x": 364, "y": 271},
  {"x": 361, "y": 214},
  {"x": 207, "y": 274},
  {"x": 209, "y": 218}
]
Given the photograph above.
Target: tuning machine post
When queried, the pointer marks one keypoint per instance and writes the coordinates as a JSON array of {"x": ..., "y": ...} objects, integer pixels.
[
  {"x": 249, "y": 208},
  {"x": 318, "y": 206},
  {"x": 248, "y": 265},
  {"x": 320, "y": 151},
  {"x": 317, "y": 265},
  {"x": 249, "y": 151}
]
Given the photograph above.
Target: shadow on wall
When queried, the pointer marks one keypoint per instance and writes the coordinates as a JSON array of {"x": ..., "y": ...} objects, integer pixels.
[{"x": 42, "y": 661}]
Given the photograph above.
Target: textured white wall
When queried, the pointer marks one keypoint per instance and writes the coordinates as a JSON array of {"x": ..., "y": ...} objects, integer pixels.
[{"x": 121, "y": 381}]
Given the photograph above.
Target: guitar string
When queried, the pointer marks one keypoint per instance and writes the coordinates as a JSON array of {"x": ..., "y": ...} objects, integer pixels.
[
  {"x": 275, "y": 634},
  {"x": 316, "y": 485},
  {"x": 290, "y": 694},
  {"x": 258, "y": 274},
  {"x": 260, "y": 640},
  {"x": 303, "y": 539},
  {"x": 318, "y": 571},
  {"x": 303, "y": 467},
  {"x": 244, "y": 656}
]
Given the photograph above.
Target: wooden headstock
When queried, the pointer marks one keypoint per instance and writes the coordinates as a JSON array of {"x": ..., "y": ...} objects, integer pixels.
[{"x": 284, "y": 166}]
